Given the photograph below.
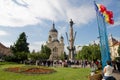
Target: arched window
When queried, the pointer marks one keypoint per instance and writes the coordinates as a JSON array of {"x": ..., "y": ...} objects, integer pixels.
[{"x": 55, "y": 49}]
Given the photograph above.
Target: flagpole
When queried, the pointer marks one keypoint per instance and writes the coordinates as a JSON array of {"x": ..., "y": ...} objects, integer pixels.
[
  {"x": 104, "y": 48},
  {"x": 98, "y": 28}
]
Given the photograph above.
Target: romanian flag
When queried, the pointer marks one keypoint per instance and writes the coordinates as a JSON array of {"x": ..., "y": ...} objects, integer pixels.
[{"x": 108, "y": 15}]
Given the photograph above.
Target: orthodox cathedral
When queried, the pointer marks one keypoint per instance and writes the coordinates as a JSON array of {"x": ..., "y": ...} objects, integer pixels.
[{"x": 56, "y": 46}]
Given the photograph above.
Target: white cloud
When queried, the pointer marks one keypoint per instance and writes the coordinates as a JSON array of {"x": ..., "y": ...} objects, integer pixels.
[
  {"x": 3, "y": 33},
  {"x": 36, "y": 46},
  {"x": 61, "y": 30},
  {"x": 82, "y": 14},
  {"x": 15, "y": 15},
  {"x": 19, "y": 13}
]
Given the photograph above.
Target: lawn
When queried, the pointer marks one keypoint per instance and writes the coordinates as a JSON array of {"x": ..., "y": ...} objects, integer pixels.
[{"x": 61, "y": 74}]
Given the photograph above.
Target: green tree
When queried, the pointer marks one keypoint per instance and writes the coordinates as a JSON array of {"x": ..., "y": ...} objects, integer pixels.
[
  {"x": 34, "y": 56},
  {"x": 91, "y": 52},
  {"x": 119, "y": 50},
  {"x": 41, "y": 55},
  {"x": 80, "y": 55},
  {"x": 20, "y": 49},
  {"x": 95, "y": 49},
  {"x": 45, "y": 52},
  {"x": 85, "y": 52}
]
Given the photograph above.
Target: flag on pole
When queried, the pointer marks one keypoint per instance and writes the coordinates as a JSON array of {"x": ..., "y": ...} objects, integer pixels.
[
  {"x": 103, "y": 15},
  {"x": 108, "y": 15}
]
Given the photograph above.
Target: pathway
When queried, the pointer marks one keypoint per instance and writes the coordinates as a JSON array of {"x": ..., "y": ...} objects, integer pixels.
[{"x": 116, "y": 74}]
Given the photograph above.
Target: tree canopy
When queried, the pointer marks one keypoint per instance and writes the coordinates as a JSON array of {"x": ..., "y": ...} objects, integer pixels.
[
  {"x": 44, "y": 54},
  {"x": 20, "y": 48},
  {"x": 91, "y": 52},
  {"x": 21, "y": 44},
  {"x": 45, "y": 51}
]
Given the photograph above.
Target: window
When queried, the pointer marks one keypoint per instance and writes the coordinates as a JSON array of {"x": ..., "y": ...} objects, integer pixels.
[{"x": 55, "y": 49}]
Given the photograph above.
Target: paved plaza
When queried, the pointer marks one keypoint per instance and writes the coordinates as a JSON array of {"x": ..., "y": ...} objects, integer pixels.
[{"x": 116, "y": 74}]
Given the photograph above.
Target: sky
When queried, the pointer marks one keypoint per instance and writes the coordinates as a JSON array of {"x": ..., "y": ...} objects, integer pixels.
[{"x": 35, "y": 18}]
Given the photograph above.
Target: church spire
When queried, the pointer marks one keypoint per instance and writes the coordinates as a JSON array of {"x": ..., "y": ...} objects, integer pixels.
[{"x": 53, "y": 27}]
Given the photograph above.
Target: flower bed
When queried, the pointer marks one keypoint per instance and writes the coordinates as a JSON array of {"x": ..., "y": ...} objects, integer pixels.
[
  {"x": 96, "y": 76},
  {"x": 33, "y": 70}
]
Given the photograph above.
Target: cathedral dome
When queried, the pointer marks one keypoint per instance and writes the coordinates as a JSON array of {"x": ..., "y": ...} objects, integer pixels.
[
  {"x": 55, "y": 40},
  {"x": 53, "y": 29}
]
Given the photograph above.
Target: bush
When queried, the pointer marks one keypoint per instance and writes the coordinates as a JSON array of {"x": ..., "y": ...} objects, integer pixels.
[
  {"x": 117, "y": 58},
  {"x": 8, "y": 58}
]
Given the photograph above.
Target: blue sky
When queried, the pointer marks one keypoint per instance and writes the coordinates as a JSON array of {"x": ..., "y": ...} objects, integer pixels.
[{"x": 35, "y": 18}]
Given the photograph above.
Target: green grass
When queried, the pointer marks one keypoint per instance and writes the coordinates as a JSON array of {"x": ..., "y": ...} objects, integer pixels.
[{"x": 61, "y": 74}]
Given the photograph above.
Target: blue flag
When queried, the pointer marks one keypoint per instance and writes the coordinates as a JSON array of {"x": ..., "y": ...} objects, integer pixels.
[{"x": 104, "y": 46}]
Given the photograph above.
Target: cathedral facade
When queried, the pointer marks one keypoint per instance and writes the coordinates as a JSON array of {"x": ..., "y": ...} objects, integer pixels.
[{"x": 56, "y": 45}]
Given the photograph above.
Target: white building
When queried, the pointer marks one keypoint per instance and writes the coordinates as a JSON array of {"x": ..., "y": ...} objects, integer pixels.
[
  {"x": 56, "y": 46},
  {"x": 113, "y": 44}
]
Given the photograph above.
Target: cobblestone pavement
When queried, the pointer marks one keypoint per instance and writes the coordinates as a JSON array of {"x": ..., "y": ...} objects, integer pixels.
[{"x": 116, "y": 74}]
